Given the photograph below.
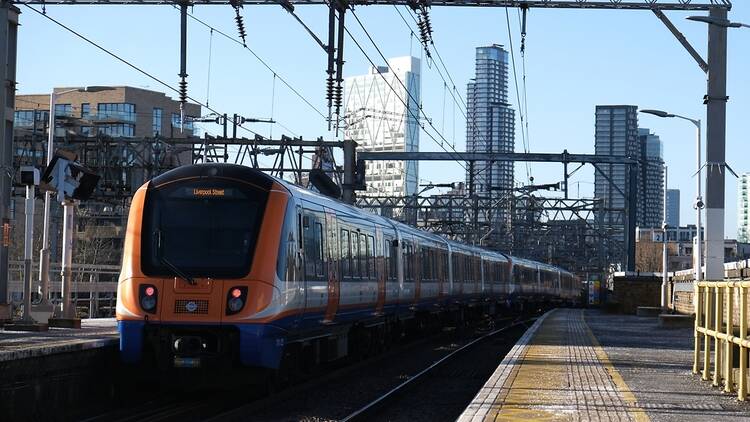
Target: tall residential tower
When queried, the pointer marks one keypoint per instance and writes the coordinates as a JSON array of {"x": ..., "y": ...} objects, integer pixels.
[
  {"x": 673, "y": 207},
  {"x": 490, "y": 126},
  {"x": 379, "y": 119},
  {"x": 650, "y": 180},
  {"x": 617, "y": 133}
]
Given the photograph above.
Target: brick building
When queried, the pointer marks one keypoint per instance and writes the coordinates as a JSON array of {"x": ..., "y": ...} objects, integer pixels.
[{"x": 117, "y": 111}]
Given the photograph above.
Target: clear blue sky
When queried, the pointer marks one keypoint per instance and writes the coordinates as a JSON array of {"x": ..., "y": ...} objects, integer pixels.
[{"x": 575, "y": 59}]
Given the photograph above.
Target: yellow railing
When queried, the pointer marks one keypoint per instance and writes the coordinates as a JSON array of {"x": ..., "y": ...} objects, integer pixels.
[{"x": 715, "y": 305}]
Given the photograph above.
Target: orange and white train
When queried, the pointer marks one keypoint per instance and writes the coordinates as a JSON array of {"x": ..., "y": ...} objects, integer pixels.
[{"x": 225, "y": 265}]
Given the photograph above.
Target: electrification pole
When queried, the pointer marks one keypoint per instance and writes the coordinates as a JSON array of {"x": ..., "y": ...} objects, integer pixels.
[
  {"x": 8, "y": 45},
  {"x": 716, "y": 110}
]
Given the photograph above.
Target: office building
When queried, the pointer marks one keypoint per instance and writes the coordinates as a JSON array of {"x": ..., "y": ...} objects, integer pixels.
[
  {"x": 673, "y": 207},
  {"x": 117, "y": 111},
  {"x": 490, "y": 127},
  {"x": 743, "y": 208},
  {"x": 381, "y": 114}
]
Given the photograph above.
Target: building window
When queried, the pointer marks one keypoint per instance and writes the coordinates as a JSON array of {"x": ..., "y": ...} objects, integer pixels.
[
  {"x": 117, "y": 130},
  {"x": 116, "y": 111},
  {"x": 63, "y": 110},
  {"x": 176, "y": 121},
  {"x": 156, "y": 124},
  {"x": 87, "y": 131},
  {"x": 24, "y": 118}
]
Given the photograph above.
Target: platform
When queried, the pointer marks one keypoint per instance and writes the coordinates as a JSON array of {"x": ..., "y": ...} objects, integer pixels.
[
  {"x": 587, "y": 365},
  {"x": 94, "y": 333}
]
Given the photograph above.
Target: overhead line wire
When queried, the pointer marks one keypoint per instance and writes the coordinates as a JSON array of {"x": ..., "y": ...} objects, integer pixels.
[
  {"x": 131, "y": 65},
  {"x": 464, "y": 111},
  {"x": 263, "y": 62},
  {"x": 518, "y": 96},
  {"x": 402, "y": 84}
]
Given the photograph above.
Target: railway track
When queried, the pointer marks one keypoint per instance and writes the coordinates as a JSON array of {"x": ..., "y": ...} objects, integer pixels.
[
  {"x": 367, "y": 411},
  {"x": 252, "y": 403}
]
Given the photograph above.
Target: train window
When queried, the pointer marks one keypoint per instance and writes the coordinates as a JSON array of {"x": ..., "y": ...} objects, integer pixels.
[
  {"x": 409, "y": 263},
  {"x": 371, "y": 256},
  {"x": 454, "y": 264},
  {"x": 320, "y": 265},
  {"x": 364, "y": 256},
  {"x": 345, "y": 254},
  {"x": 313, "y": 240},
  {"x": 392, "y": 260},
  {"x": 355, "y": 255}
]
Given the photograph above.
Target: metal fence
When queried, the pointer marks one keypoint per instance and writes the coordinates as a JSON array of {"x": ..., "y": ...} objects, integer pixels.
[
  {"x": 94, "y": 287},
  {"x": 718, "y": 305}
]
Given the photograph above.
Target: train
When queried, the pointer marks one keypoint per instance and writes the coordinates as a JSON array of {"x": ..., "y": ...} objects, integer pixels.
[{"x": 226, "y": 266}]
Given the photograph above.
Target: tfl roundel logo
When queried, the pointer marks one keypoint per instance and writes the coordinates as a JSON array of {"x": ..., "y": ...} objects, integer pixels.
[{"x": 191, "y": 306}]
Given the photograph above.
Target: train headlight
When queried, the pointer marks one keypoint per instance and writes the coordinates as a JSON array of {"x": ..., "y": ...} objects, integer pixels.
[
  {"x": 147, "y": 296},
  {"x": 236, "y": 298}
]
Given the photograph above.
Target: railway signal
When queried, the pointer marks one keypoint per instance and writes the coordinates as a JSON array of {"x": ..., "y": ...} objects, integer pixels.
[{"x": 72, "y": 182}]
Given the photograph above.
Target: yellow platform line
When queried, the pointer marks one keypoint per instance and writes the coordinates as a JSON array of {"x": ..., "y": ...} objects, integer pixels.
[{"x": 558, "y": 364}]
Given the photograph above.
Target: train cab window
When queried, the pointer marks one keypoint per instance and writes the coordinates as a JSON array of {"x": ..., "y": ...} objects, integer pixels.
[
  {"x": 345, "y": 254},
  {"x": 205, "y": 228}
]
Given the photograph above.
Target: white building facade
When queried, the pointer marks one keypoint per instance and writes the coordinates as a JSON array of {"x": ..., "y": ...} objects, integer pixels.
[{"x": 379, "y": 119}]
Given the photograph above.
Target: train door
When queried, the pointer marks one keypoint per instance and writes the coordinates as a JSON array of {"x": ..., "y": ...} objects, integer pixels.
[
  {"x": 332, "y": 261},
  {"x": 315, "y": 273}
]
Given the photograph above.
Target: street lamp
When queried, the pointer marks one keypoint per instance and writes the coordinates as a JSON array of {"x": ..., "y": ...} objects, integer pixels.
[
  {"x": 44, "y": 252},
  {"x": 698, "y": 249},
  {"x": 720, "y": 22}
]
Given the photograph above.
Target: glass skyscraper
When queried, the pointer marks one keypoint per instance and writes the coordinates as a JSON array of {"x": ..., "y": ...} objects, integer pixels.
[{"x": 490, "y": 126}]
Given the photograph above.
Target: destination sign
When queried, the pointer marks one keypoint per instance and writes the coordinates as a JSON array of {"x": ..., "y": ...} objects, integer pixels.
[{"x": 204, "y": 192}]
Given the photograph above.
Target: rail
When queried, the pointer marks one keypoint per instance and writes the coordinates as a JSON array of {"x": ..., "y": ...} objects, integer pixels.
[
  {"x": 366, "y": 411},
  {"x": 717, "y": 305}
]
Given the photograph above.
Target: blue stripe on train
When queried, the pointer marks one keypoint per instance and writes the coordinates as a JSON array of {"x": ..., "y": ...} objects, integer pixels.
[{"x": 260, "y": 344}]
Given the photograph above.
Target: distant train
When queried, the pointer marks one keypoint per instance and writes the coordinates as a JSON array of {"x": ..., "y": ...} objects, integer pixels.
[{"x": 224, "y": 265}]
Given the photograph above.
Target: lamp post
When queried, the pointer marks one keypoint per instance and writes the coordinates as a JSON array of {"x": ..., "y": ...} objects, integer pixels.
[
  {"x": 698, "y": 248},
  {"x": 725, "y": 23},
  {"x": 44, "y": 252}
]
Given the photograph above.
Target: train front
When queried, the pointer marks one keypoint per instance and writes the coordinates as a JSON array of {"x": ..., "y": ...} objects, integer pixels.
[{"x": 198, "y": 275}]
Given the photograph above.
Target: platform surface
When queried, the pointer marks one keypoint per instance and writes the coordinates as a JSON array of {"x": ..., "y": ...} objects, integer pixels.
[
  {"x": 94, "y": 333},
  {"x": 576, "y": 365}
]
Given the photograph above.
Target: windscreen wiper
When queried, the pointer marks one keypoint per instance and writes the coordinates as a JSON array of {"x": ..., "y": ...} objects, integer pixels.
[
  {"x": 168, "y": 264},
  {"x": 177, "y": 271}
]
